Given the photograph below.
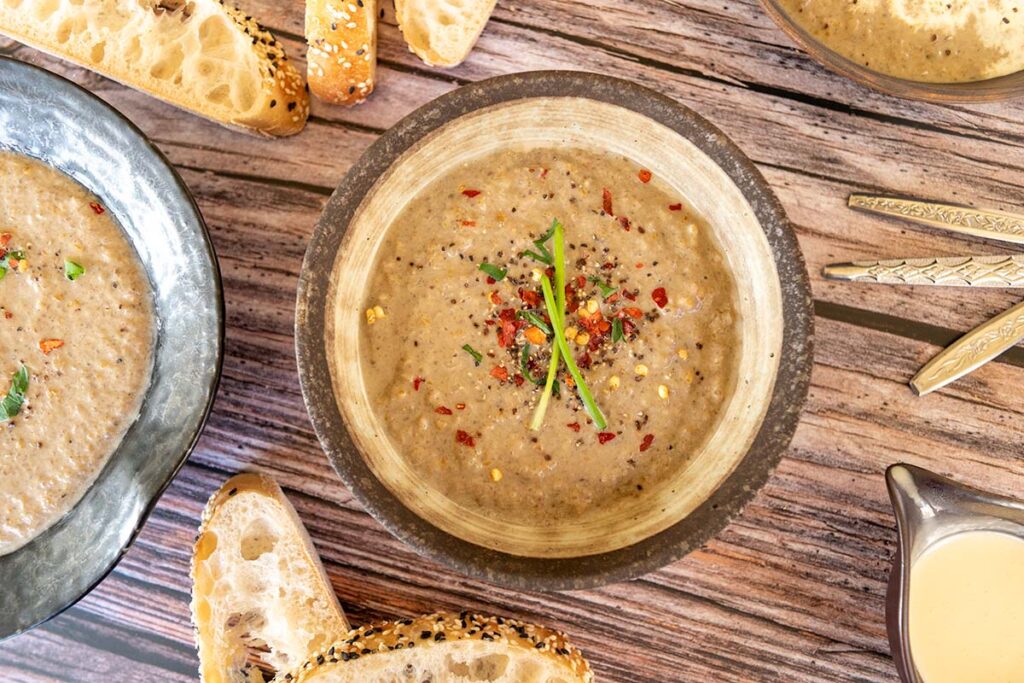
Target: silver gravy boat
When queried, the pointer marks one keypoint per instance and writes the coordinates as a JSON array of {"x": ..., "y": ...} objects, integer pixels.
[{"x": 928, "y": 509}]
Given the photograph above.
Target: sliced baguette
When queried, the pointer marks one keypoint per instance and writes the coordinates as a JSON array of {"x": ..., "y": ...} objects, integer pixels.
[
  {"x": 447, "y": 648},
  {"x": 260, "y": 597},
  {"x": 442, "y": 32},
  {"x": 342, "y": 55},
  {"x": 200, "y": 55}
]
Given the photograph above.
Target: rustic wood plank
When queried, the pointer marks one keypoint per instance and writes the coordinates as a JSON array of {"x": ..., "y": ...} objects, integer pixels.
[{"x": 793, "y": 589}]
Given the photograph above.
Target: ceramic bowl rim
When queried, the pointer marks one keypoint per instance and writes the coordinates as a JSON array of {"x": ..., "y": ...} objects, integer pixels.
[{"x": 527, "y": 573}]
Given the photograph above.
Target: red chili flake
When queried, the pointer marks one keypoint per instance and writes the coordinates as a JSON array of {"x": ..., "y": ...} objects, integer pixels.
[
  {"x": 519, "y": 380},
  {"x": 489, "y": 322},
  {"x": 529, "y": 297},
  {"x": 5, "y": 239},
  {"x": 97, "y": 209},
  {"x": 581, "y": 282},
  {"x": 605, "y": 437},
  {"x": 628, "y": 327},
  {"x": 550, "y": 272},
  {"x": 471, "y": 193},
  {"x": 506, "y": 334},
  {"x": 47, "y": 345},
  {"x": 500, "y": 373},
  {"x": 460, "y": 406},
  {"x": 607, "y": 266},
  {"x": 613, "y": 298},
  {"x": 646, "y": 442},
  {"x": 606, "y": 201},
  {"x": 544, "y": 173},
  {"x": 442, "y": 410},
  {"x": 629, "y": 295},
  {"x": 633, "y": 312},
  {"x": 644, "y": 175},
  {"x": 490, "y": 280},
  {"x": 603, "y": 326},
  {"x": 469, "y": 224},
  {"x": 8, "y": 315},
  {"x": 639, "y": 265},
  {"x": 624, "y": 222},
  {"x": 464, "y": 438},
  {"x": 416, "y": 382},
  {"x": 495, "y": 298},
  {"x": 574, "y": 426},
  {"x": 660, "y": 297},
  {"x": 507, "y": 314},
  {"x": 675, "y": 207},
  {"x": 585, "y": 361}
]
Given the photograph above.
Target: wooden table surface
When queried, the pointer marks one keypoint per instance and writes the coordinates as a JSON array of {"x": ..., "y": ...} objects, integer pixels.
[{"x": 793, "y": 589}]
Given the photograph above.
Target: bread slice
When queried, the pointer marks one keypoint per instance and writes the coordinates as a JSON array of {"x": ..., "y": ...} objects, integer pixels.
[
  {"x": 342, "y": 55},
  {"x": 442, "y": 32},
  {"x": 200, "y": 55},
  {"x": 447, "y": 648},
  {"x": 260, "y": 597}
]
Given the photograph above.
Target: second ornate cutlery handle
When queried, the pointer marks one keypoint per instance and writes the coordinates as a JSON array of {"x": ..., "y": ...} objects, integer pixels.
[
  {"x": 953, "y": 271},
  {"x": 998, "y": 225}
]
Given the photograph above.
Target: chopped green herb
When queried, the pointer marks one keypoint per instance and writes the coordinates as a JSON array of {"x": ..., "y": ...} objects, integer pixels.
[
  {"x": 11, "y": 405},
  {"x": 535, "y": 320},
  {"x": 584, "y": 391},
  {"x": 494, "y": 271},
  {"x": 544, "y": 256},
  {"x": 524, "y": 366},
  {"x": 72, "y": 270},
  {"x": 617, "y": 332},
  {"x": 477, "y": 356},
  {"x": 3, "y": 272},
  {"x": 606, "y": 289}
]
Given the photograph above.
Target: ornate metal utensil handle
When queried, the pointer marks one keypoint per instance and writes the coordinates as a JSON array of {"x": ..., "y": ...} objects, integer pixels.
[
  {"x": 951, "y": 271},
  {"x": 971, "y": 351},
  {"x": 1006, "y": 227}
]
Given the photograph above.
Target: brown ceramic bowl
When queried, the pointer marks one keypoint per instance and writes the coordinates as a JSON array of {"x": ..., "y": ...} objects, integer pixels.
[
  {"x": 575, "y": 110},
  {"x": 988, "y": 90}
]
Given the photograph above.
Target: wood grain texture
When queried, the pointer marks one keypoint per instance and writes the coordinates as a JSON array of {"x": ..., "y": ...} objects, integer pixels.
[{"x": 793, "y": 590}]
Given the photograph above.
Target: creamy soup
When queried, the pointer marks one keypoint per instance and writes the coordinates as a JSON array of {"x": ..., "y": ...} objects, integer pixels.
[
  {"x": 936, "y": 41},
  {"x": 966, "y": 617},
  {"x": 76, "y": 337},
  {"x": 457, "y": 337}
]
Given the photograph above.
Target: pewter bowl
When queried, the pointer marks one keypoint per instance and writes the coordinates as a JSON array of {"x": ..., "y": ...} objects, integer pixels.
[
  {"x": 573, "y": 110},
  {"x": 53, "y": 120}
]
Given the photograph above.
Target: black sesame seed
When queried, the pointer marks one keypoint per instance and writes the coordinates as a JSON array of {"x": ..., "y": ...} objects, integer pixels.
[
  {"x": 291, "y": 106},
  {"x": 232, "y": 492},
  {"x": 424, "y": 635}
]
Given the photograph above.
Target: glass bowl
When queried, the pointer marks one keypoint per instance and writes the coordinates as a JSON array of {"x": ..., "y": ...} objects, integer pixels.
[{"x": 988, "y": 90}]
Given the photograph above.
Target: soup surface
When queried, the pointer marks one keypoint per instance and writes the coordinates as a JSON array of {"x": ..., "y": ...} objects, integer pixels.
[
  {"x": 75, "y": 354},
  {"x": 455, "y": 353},
  {"x": 935, "y": 41},
  {"x": 966, "y": 615}
]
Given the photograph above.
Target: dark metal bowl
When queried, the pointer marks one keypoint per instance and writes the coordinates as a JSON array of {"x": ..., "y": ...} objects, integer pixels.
[
  {"x": 49, "y": 118},
  {"x": 773, "y": 436}
]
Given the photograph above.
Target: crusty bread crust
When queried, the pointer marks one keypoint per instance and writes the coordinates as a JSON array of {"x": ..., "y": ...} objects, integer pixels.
[
  {"x": 257, "y": 584},
  {"x": 447, "y": 647},
  {"x": 342, "y": 55},
  {"x": 442, "y": 32},
  {"x": 200, "y": 55}
]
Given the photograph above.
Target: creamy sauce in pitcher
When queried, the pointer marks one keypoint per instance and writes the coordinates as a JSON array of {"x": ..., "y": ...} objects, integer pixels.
[{"x": 966, "y": 616}]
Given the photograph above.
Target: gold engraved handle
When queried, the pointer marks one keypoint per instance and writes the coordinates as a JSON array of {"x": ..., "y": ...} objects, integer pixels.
[
  {"x": 950, "y": 271},
  {"x": 1006, "y": 227},
  {"x": 971, "y": 351}
]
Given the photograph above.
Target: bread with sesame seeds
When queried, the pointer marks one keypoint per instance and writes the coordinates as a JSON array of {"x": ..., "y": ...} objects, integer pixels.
[
  {"x": 442, "y": 32},
  {"x": 201, "y": 55},
  {"x": 260, "y": 598},
  {"x": 342, "y": 56},
  {"x": 447, "y": 648}
]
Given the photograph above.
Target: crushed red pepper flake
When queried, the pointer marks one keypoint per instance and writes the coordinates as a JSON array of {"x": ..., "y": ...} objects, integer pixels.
[
  {"x": 469, "y": 224},
  {"x": 574, "y": 426},
  {"x": 443, "y": 410},
  {"x": 639, "y": 265},
  {"x": 464, "y": 438},
  {"x": 605, "y": 437},
  {"x": 644, "y": 175},
  {"x": 460, "y": 406},
  {"x": 500, "y": 373},
  {"x": 629, "y": 295},
  {"x": 544, "y": 173},
  {"x": 606, "y": 201},
  {"x": 416, "y": 382},
  {"x": 633, "y": 312},
  {"x": 8, "y": 315},
  {"x": 646, "y": 442},
  {"x": 47, "y": 345},
  {"x": 97, "y": 208},
  {"x": 519, "y": 380},
  {"x": 625, "y": 223},
  {"x": 491, "y": 280},
  {"x": 660, "y": 297},
  {"x": 529, "y": 297},
  {"x": 495, "y": 298},
  {"x": 675, "y": 207},
  {"x": 471, "y": 193},
  {"x": 5, "y": 238}
]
